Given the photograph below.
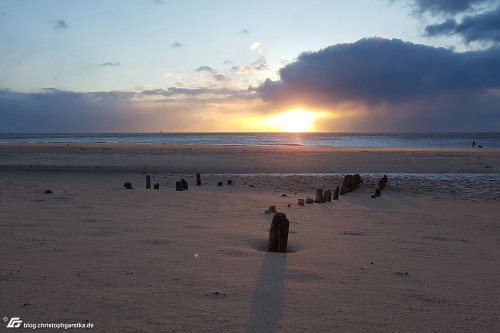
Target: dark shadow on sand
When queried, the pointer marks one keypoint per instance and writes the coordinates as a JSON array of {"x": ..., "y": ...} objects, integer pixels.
[{"x": 267, "y": 303}]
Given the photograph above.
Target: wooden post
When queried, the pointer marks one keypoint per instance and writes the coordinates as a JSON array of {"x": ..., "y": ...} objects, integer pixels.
[
  {"x": 128, "y": 185},
  {"x": 382, "y": 182},
  {"x": 319, "y": 195},
  {"x": 148, "y": 181},
  {"x": 156, "y": 186},
  {"x": 219, "y": 184},
  {"x": 336, "y": 193},
  {"x": 278, "y": 234},
  {"x": 327, "y": 196},
  {"x": 300, "y": 202},
  {"x": 198, "y": 179},
  {"x": 309, "y": 200},
  {"x": 229, "y": 182},
  {"x": 181, "y": 186}
]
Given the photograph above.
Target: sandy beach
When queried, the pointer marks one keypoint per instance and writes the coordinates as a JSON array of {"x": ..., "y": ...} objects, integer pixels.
[{"x": 424, "y": 257}]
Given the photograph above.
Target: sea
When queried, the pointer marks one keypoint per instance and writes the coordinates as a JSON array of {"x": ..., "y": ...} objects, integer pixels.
[{"x": 376, "y": 140}]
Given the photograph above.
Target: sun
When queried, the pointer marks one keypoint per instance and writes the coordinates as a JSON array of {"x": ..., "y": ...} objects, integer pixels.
[{"x": 295, "y": 120}]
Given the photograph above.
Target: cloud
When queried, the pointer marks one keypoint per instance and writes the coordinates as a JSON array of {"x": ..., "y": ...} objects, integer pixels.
[
  {"x": 171, "y": 109},
  {"x": 451, "y": 7},
  {"x": 158, "y": 2},
  {"x": 258, "y": 65},
  {"x": 59, "y": 25},
  {"x": 182, "y": 92},
  {"x": 110, "y": 64},
  {"x": 176, "y": 44},
  {"x": 206, "y": 69},
  {"x": 167, "y": 75},
  {"x": 220, "y": 77},
  {"x": 245, "y": 32},
  {"x": 396, "y": 85},
  {"x": 481, "y": 27},
  {"x": 255, "y": 45}
]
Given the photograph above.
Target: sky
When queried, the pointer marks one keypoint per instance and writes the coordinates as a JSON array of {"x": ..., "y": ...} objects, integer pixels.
[{"x": 234, "y": 66}]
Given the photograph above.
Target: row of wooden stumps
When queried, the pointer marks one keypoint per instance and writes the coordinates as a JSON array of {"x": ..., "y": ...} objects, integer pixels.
[
  {"x": 381, "y": 185},
  {"x": 349, "y": 184},
  {"x": 181, "y": 185},
  {"x": 278, "y": 232}
]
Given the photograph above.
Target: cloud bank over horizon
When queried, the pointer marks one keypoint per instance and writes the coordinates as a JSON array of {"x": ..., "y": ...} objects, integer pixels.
[
  {"x": 53, "y": 111},
  {"x": 373, "y": 84}
]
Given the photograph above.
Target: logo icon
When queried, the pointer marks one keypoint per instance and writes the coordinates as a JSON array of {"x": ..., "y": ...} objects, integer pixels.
[{"x": 15, "y": 322}]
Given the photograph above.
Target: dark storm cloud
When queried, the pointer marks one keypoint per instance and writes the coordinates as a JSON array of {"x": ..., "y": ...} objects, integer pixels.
[
  {"x": 480, "y": 27},
  {"x": 447, "y": 27},
  {"x": 206, "y": 69},
  {"x": 447, "y": 6},
  {"x": 176, "y": 44},
  {"x": 392, "y": 75},
  {"x": 59, "y": 25}
]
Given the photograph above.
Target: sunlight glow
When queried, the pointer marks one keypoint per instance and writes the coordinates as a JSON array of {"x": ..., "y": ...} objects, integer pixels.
[{"x": 296, "y": 120}]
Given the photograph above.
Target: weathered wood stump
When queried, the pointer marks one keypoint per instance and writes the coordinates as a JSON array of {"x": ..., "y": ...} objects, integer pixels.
[
  {"x": 198, "y": 179},
  {"x": 219, "y": 184},
  {"x": 48, "y": 191},
  {"x": 336, "y": 193},
  {"x": 278, "y": 234},
  {"x": 381, "y": 185},
  {"x": 148, "y": 181},
  {"x": 301, "y": 202},
  {"x": 319, "y": 196},
  {"x": 271, "y": 209},
  {"x": 327, "y": 196},
  {"x": 309, "y": 200},
  {"x": 156, "y": 186},
  {"x": 229, "y": 182},
  {"x": 181, "y": 185},
  {"x": 383, "y": 182},
  {"x": 350, "y": 183},
  {"x": 128, "y": 185}
]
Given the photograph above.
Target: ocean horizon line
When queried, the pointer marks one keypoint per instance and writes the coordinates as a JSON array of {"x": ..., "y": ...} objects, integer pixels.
[
  {"x": 325, "y": 139},
  {"x": 284, "y": 133}
]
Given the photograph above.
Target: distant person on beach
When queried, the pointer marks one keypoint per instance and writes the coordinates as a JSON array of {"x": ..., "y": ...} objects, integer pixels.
[{"x": 473, "y": 143}]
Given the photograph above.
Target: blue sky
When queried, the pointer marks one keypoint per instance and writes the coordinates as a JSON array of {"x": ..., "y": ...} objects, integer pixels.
[{"x": 147, "y": 65}]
